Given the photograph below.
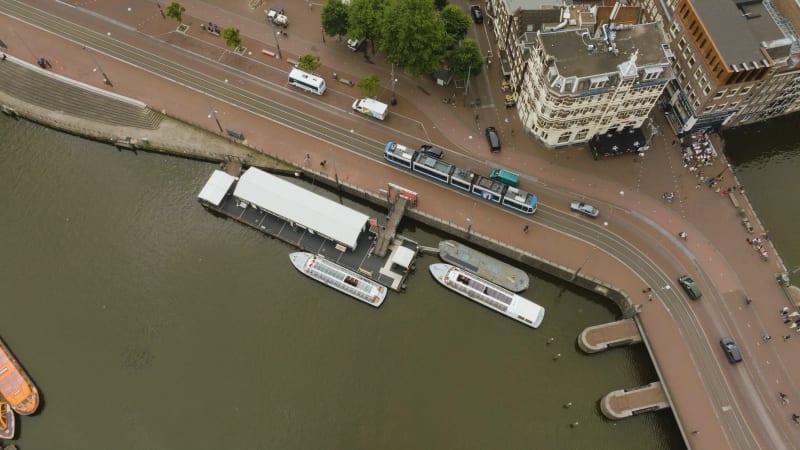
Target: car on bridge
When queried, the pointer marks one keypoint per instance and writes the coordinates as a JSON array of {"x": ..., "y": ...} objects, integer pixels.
[
  {"x": 731, "y": 350},
  {"x": 584, "y": 208},
  {"x": 688, "y": 285}
]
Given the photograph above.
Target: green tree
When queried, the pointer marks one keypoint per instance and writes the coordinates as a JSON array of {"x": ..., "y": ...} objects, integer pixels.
[
  {"x": 232, "y": 37},
  {"x": 417, "y": 35},
  {"x": 366, "y": 20},
  {"x": 465, "y": 60},
  {"x": 335, "y": 18},
  {"x": 176, "y": 10},
  {"x": 456, "y": 23},
  {"x": 309, "y": 63},
  {"x": 369, "y": 86}
]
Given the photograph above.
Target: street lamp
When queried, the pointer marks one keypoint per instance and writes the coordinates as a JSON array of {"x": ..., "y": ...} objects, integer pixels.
[
  {"x": 106, "y": 80},
  {"x": 469, "y": 220},
  {"x": 323, "y": 34},
  {"x": 214, "y": 115},
  {"x": 394, "y": 83},
  {"x": 163, "y": 16},
  {"x": 275, "y": 35}
]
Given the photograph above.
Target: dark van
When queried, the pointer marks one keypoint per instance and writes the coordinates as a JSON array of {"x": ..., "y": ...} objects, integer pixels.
[{"x": 493, "y": 138}]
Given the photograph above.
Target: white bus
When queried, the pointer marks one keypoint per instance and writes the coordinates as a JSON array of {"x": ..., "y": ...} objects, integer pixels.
[{"x": 311, "y": 83}]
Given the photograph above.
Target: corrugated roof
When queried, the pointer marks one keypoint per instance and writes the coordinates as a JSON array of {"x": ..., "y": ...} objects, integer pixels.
[
  {"x": 291, "y": 202},
  {"x": 216, "y": 187}
]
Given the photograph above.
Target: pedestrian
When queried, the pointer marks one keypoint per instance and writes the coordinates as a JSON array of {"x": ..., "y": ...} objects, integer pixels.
[
  {"x": 796, "y": 418},
  {"x": 748, "y": 300},
  {"x": 323, "y": 162},
  {"x": 786, "y": 320},
  {"x": 674, "y": 141},
  {"x": 477, "y": 116},
  {"x": 695, "y": 432},
  {"x": 4, "y": 56},
  {"x": 649, "y": 297},
  {"x": 787, "y": 337},
  {"x": 784, "y": 310},
  {"x": 525, "y": 230},
  {"x": 783, "y": 397},
  {"x": 766, "y": 338}
]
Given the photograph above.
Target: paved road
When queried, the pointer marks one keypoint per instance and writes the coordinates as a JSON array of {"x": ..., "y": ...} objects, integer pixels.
[{"x": 646, "y": 249}]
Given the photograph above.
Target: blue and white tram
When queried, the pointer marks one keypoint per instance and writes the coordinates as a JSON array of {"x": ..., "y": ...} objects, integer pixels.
[
  {"x": 522, "y": 201},
  {"x": 463, "y": 179},
  {"x": 433, "y": 167},
  {"x": 399, "y": 154},
  {"x": 489, "y": 189}
]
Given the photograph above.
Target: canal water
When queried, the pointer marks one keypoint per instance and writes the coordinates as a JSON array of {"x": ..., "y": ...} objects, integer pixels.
[{"x": 149, "y": 323}]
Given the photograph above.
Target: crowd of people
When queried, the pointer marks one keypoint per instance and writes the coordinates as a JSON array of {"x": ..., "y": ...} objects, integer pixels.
[{"x": 698, "y": 152}]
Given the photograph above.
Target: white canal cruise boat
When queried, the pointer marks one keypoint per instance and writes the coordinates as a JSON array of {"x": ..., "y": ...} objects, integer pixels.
[
  {"x": 339, "y": 278},
  {"x": 487, "y": 294}
]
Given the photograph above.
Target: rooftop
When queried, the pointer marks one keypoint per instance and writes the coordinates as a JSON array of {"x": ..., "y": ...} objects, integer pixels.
[
  {"x": 570, "y": 48},
  {"x": 737, "y": 37}
]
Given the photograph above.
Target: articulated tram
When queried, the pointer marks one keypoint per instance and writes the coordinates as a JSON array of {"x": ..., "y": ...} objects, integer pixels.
[{"x": 466, "y": 180}]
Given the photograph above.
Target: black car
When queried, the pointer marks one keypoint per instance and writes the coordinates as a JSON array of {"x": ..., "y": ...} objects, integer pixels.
[
  {"x": 477, "y": 14},
  {"x": 731, "y": 350},
  {"x": 493, "y": 138},
  {"x": 431, "y": 151}
]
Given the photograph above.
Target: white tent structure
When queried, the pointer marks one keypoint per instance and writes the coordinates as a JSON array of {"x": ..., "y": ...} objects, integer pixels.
[
  {"x": 216, "y": 187},
  {"x": 301, "y": 207}
]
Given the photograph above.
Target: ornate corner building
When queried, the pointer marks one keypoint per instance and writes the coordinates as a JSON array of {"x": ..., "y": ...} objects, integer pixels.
[
  {"x": 578, "y": 72},
  {"x": 582, "y": 71}
]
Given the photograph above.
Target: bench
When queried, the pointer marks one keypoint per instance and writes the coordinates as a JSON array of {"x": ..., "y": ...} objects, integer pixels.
[
  {"x": 733, "y": 200},
  {"x": 292, "y": 62}
]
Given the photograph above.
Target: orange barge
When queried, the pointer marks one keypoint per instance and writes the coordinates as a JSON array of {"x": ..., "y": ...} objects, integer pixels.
[
  {"x": 15, "y": 386},
  {"x": 8, "y": 425}
]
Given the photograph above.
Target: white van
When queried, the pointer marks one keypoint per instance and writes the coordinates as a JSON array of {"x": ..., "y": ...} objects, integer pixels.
[{"x": 372, "y": 108}]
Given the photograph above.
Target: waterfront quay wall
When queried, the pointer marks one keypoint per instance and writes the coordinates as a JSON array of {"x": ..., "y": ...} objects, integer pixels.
[{"x": 176, "y": 137}]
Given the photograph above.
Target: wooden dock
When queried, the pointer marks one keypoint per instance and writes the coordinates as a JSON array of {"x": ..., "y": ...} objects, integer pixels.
[
  {"x": 608, "y": 335},
  {"x": 625, "y": 403},
  {"x": 484, "y": 266}
]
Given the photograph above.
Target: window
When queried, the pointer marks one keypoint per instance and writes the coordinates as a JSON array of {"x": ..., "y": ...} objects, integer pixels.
[
  {"x": 564, "y": 137},
  {"x": 744, "y": 90},
  {"x": 704, "y": 81},
  {"x": 682, "y": 43},
  {"x": 691, "y": 61},
  {"x": 708, "y": 109},
  {"x": 722, "y": 107},
  {"x": 732, "y": 92},
  {"x": 734, "y": 105},
  {"x": 720, "y": 94},
  {"x": 698, "y": 73},
  {"x": 706, "y": 90}
]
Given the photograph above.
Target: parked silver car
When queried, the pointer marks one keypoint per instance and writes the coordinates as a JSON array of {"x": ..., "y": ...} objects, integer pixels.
[{"x": 584, "y": 208}]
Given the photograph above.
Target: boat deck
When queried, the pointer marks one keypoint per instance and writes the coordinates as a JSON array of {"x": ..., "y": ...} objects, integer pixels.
[
  {"x": 362, "y": 260},
  {"x": 484, "y": 266}
]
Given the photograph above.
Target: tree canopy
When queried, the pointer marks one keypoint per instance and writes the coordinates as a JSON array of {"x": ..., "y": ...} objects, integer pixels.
[
  {"x": 176, "y": 10},
  {"x": 366, "y": 20},
  {"x": 414, "y": 35},
  {"x": 309, "y": 63},
  {"x": 465, "y": 60},
  {"x": 335, "y": 18},
  {"x": 369, "y": 86},
  {"x": 456, "y": 23},
  {"x": 232, "y": 37}
]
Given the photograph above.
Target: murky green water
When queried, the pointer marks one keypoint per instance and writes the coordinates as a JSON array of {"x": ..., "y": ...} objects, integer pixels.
[{"x": 148, "y": 323}]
